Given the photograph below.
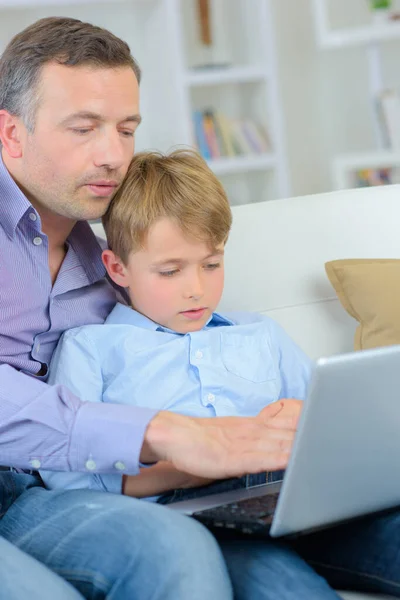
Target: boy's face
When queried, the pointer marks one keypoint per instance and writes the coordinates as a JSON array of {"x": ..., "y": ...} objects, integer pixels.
[{"x": 174, "y": 281}]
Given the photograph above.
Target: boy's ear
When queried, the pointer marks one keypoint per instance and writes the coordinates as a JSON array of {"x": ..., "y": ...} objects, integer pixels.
[{"x": 115, "y": 267}]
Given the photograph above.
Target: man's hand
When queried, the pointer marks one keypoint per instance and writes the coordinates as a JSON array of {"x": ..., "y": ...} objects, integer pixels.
[
  {"x": 287, "y": 417},
  {"x": 223, "y": 447}
]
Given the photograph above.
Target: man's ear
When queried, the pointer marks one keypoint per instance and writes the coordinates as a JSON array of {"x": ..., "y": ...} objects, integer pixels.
[
  {"x": 10, "y": 134},
  {"x": 115, "y": 268}
]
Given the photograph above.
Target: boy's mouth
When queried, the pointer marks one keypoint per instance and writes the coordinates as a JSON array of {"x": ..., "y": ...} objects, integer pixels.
[{"x": 194, "y": 314}]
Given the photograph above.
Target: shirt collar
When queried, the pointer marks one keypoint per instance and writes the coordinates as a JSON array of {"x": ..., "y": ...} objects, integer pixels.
[
  {"x": 13, "y": 202},
  {"x": 88, "y": 249},
  {"x": 218, "y": 320},
  {"x": 13, "y": 206},
  {"x": 125, "y": 315}
]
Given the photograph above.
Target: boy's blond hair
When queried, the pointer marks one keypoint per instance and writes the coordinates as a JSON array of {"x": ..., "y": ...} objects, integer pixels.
[{"x": 179, "y": 186}]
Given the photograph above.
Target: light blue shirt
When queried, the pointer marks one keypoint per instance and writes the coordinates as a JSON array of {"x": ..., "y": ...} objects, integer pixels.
[{"x": 235, "y": 366}]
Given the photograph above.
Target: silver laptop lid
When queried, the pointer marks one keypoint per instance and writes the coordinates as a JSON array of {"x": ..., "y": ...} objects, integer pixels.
[{"x": 346, "y": 454}]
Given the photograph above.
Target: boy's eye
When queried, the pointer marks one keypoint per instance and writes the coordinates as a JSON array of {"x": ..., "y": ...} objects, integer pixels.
[
  {"x": 212, "y": 266},
  {"x": 169, "y": 273}
]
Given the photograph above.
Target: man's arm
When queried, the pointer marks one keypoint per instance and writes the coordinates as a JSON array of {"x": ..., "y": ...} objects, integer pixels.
[{"x": 49, "y": 424}]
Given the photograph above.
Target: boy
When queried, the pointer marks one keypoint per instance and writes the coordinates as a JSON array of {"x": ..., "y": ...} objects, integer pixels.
[{"x": 166, "y": 228}]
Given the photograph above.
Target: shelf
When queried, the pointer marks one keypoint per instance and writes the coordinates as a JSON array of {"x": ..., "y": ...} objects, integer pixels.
[
  {"x": 345, "y": 164},
  {"x": 358, "y": 36},
  {"x": 241, "y": 164},
  {"x": 367, "y": 160},
  {"x": 224, "y": 75},
  {"x": 37, "y": 3}
]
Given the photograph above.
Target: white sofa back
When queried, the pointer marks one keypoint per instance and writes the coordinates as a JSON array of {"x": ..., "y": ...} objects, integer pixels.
[{"x": 276, "y": 253}]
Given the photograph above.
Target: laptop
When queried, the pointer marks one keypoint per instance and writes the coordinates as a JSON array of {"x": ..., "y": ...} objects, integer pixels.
[{"x": 345, "y": 457}]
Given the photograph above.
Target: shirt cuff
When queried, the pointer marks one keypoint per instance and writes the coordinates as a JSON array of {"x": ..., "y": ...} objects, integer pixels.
[{"x": 108, "y": 438}]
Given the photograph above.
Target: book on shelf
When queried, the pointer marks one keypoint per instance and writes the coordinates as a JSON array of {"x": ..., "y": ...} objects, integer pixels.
[
  {"x": 220, "y": 136},
  {"x": 200, "y": 135},
  {"x": 377, "y": 176}
]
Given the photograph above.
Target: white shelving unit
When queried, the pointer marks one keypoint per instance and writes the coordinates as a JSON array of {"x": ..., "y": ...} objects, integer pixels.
[
  {"x": 244, "y": 86},
  {"x": 378, "y": 30},
  {"x": 370, "y": 36},
  {"x": 345, "y": 165},
  {"x": 164, "y": 37}
]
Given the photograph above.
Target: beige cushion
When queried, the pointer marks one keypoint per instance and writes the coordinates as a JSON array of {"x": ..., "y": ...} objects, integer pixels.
[{"x": 369, "y": 290}]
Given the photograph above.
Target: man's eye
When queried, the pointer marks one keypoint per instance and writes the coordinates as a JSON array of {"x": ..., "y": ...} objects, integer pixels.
[
  {"x": 80, "y": 130},
  {"x": 212, "y": 266},
  {"x": 169, "y": 273},
  {"x": 128, "y": 133}
]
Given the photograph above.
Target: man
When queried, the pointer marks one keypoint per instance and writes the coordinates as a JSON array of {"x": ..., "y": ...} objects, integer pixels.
[
  {"x": 69, "y": 108},
  {"x": 68, "y": 111}
]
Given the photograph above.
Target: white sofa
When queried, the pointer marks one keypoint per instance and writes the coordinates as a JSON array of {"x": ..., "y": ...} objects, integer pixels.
[{"x": 275, "y": 263}]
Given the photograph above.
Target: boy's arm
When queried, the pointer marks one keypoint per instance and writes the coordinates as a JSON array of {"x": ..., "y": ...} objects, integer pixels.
[
  {"x": 295, "y": 366},
  {"x": 77, "y": 366},
  {"x": 158, "y": 479}
]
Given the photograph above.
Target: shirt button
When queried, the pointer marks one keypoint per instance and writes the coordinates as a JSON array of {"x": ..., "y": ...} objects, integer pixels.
[
  {"x": 210, "y": 398},
  {"x": 198, "y": 354},
  {"x": 35, "y": 463},
  {"x": 90, "y": 465},
  {"x": 119, "y": 465},
  {"x": 32, "y": 216},
  {"x": 37, "y": 241}
]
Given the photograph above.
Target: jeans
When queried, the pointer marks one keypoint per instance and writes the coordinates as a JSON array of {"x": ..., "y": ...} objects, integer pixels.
[
  {"x": 114, "y": 547},
  {"x": 363, "y": 555},
  {"x": 105, "y": 545}
]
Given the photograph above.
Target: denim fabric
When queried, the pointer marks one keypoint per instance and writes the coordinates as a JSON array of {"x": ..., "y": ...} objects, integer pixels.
[
  {"x": 225, "y": 485},
  {"x": 363, "y": 555},
  {"x": 12, "y": 485},
  {"x": 24, "y": 577},
  {"x": 360, "y": 556},
  {"x": 111, "y": 546}
]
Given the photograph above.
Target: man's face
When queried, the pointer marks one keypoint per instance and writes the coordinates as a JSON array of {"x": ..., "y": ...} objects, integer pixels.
[
  {"x": 83, "y": 141},
  {"x": 175, "y": 281}
]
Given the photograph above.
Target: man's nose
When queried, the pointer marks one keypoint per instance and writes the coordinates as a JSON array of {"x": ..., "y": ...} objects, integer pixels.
[{"x": 110, "y": 151}]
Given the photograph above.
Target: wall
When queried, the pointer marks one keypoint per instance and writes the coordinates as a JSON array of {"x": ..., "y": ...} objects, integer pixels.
[{"x": 325, "y": 93}]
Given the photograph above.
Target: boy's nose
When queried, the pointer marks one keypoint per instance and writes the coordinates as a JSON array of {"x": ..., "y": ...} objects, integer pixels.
[{"x": 195, "y": 290}]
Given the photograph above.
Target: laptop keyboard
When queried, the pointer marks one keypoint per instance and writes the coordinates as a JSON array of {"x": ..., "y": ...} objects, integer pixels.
[{"x": 253, "y": 515}]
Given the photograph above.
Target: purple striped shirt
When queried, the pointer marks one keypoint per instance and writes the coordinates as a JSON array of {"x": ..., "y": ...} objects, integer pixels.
[{"x": 44, "y": 426}]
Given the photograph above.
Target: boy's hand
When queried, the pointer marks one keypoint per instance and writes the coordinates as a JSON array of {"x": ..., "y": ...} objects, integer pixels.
[
  {"x": 222, "y": 447},
  {"x": 159, "y": 478}
]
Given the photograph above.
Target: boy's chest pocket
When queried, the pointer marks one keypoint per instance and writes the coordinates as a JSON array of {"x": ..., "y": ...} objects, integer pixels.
[{"x": 247, "y": 357}]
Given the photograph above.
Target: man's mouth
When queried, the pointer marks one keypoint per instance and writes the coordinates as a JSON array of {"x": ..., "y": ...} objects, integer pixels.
[{"x": 103, "y": 188}]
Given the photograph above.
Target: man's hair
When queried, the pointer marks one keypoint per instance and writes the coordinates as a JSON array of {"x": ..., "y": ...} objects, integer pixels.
[
  {"x": 61, "y": 40},
  {"x": 179, "y": 186}
]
